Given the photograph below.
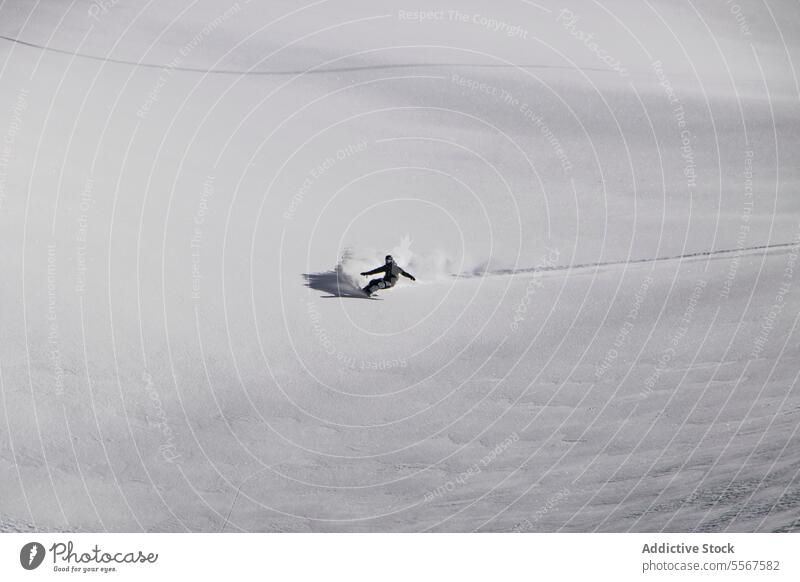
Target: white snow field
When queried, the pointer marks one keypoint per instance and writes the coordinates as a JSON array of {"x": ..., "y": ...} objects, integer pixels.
[{"x": 599, "y": 201}]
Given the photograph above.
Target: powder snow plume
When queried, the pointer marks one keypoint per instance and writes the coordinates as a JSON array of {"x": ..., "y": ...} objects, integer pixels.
[
  {"x": 345, "y": 278},
  {"x": 427, "y": 266}
]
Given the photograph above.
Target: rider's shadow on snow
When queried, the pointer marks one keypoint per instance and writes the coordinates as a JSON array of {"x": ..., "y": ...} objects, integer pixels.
[{"x": 335, "y": 283}]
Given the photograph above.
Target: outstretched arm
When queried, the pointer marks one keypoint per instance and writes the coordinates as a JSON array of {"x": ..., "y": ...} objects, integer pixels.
[
  {"x": 409, "y": 275},
  {"x": 380, "y": 269}
]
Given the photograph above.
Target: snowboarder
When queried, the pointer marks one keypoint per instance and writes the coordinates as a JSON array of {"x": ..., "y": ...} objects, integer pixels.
[{"x": 391, "y": 271}]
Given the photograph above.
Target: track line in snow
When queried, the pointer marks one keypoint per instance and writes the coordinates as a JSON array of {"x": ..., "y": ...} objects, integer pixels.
[
  {"x": 309, "y": 71},
  {"x": 695, "y": 255}
]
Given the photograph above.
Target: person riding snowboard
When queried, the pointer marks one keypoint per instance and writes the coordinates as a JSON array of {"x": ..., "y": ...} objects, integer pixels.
[{"x": 392, "y": 272}]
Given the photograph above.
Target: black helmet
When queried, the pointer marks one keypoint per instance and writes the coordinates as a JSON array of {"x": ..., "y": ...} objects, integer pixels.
[{"x": 389, "y": 258}]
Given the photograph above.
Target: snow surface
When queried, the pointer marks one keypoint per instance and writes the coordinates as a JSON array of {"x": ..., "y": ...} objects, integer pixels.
[{"x": 188, "y": 191}]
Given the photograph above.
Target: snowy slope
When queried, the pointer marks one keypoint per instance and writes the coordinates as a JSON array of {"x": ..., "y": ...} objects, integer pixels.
[{"x": 190, "y": 190}]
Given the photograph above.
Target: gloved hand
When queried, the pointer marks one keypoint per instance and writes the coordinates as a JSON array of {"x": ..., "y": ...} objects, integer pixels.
[
  {"x": 413, "y": 278},
  {"x": 363, "y": 274}
]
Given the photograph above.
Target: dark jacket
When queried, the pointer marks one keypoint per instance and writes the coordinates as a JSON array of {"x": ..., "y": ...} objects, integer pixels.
[{"x": 392, "y": 272}]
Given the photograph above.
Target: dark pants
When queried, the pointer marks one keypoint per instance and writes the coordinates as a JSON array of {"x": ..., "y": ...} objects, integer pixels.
[{"x": 376, "y": 284}]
